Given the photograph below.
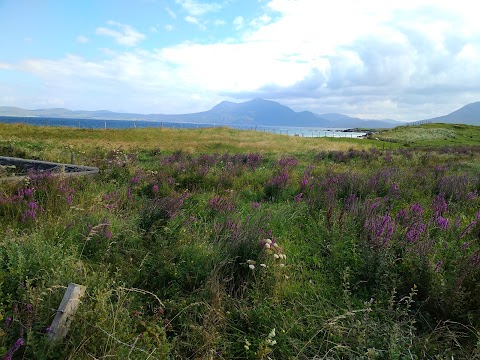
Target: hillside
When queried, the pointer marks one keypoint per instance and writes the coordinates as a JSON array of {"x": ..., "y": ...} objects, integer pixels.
[
  {"x": 468, "y": 114},
  {"x": 438, "y": 134}
]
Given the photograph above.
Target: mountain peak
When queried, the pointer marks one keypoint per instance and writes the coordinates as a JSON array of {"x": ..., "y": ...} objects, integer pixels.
[
  {"x": 259, "y": 100},
  {"x": 224, "y": 105}
]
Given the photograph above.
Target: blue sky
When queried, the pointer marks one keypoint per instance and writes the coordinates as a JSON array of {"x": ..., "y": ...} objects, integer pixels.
[{"x": 398, "y": 59}]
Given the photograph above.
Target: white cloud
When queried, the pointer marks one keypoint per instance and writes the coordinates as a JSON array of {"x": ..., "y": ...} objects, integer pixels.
[
  {"x": 380, "y": 52},
  {"x": 171, "y": 13},
  {"x": 168, "y": 27},
  {"x": 131, "y": 78},
  {"x": 197, "y": 8},
  {"x": 238, "y": 22},
  {"x": 233, "y": 67},
  {"x": 260, "y": 21},
  {"x": 82, "y": 39},
  {"x": 219, "y": 22},
  {"x": 193, "y": 20},
  {"x": 5, "y": 66},
  {"x": 125, "y": 35}
]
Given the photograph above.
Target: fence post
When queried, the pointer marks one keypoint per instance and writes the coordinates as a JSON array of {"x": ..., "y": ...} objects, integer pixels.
[{"x": 66, "y": 310}]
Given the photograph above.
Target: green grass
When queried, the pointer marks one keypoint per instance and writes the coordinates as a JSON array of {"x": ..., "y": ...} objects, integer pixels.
[
  {"x": 432, "y": 135},
  {"x": 376, "y": 256}
]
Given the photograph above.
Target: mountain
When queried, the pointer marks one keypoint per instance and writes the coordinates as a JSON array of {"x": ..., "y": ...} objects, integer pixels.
[
  {"x": 469, "y": 114},
  {"x": 266, "y": 113},
  {"x": 256, "y": 112}
]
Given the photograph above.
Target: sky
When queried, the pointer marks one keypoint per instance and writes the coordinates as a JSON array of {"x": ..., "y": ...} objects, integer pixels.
[{"x": 377, "y": 59}]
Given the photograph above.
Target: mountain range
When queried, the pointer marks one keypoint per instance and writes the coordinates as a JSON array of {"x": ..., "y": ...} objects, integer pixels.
[{"x": 256, "y": 112}]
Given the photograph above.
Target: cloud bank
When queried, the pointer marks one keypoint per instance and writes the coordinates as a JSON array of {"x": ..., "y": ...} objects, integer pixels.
[{"x": 405, "y": 60}]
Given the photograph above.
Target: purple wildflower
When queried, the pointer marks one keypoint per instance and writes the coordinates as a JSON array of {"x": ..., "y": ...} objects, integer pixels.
[
  {"x": 439, "y": 168},
  {"x": 468, "y": 228},
  {"x": 254, "y": 205},
  {"x": 415, "y": 231},
  {"x": 106, "y": 231},
  {"x": 416, "y": 209},
  {"x": 381, "y": 228},
  {"x": 457, "y": 222},
  {"x": 350, "y": 202},
  {"x": 222, "y": 204},
  {"x": 402, "y": 215},
  {"x": 31, "y": 212},
  {"x": 13, "y": 349},
  {"x": 307, "y": 176},
  {"x": 8, "y": 321},
  {"x": 442, "y": 223},
  {"x": 439, "y": 205},
  {"x": 280, "y": 180},
  {"x": 135, "y": 179},
  {"x": 298, "y": 197},
  {"x": 388, "y": 156},
  {"x": 253, "y": 160},
  {"x": 288, "y": 161},
  {"x": 472, "y": 195}
]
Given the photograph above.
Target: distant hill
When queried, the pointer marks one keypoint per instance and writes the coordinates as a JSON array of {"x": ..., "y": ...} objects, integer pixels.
[
  {"x": 469, "y": 114},
  {"x": 256, "y": 112}
]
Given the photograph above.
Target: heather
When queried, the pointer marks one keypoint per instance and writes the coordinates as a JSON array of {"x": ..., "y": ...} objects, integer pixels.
[{"x": 342, "y": 251}]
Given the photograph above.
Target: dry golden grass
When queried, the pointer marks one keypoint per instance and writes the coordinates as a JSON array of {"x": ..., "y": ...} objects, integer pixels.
[{"x": 207, "y": 140}]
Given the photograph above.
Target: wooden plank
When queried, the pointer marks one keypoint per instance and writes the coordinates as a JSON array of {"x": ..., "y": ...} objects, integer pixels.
[{"x": 66, "y": 310}]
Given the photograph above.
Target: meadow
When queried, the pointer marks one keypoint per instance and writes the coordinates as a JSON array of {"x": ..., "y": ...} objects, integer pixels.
[{"x": 228, "y": 244}]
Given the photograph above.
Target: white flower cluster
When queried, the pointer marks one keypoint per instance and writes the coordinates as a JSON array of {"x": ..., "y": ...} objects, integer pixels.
[
  {"x": 251, "y": 264},
  {"x": 271, "y": 338},
  {"x": 272, "y": 248}
]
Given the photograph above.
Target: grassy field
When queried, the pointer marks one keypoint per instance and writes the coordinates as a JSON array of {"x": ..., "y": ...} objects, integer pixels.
[
  {"x": 223, "y": 244},
  {"x": 432, "y": 135},
  {"x": 208, "y": 140}
]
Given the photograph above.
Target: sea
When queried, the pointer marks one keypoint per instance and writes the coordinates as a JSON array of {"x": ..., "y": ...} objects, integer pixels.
[{"x": 128, "y": 124}]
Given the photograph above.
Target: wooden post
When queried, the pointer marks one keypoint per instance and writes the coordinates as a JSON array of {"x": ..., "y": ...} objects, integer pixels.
[{"x": 66, "y": 310}]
